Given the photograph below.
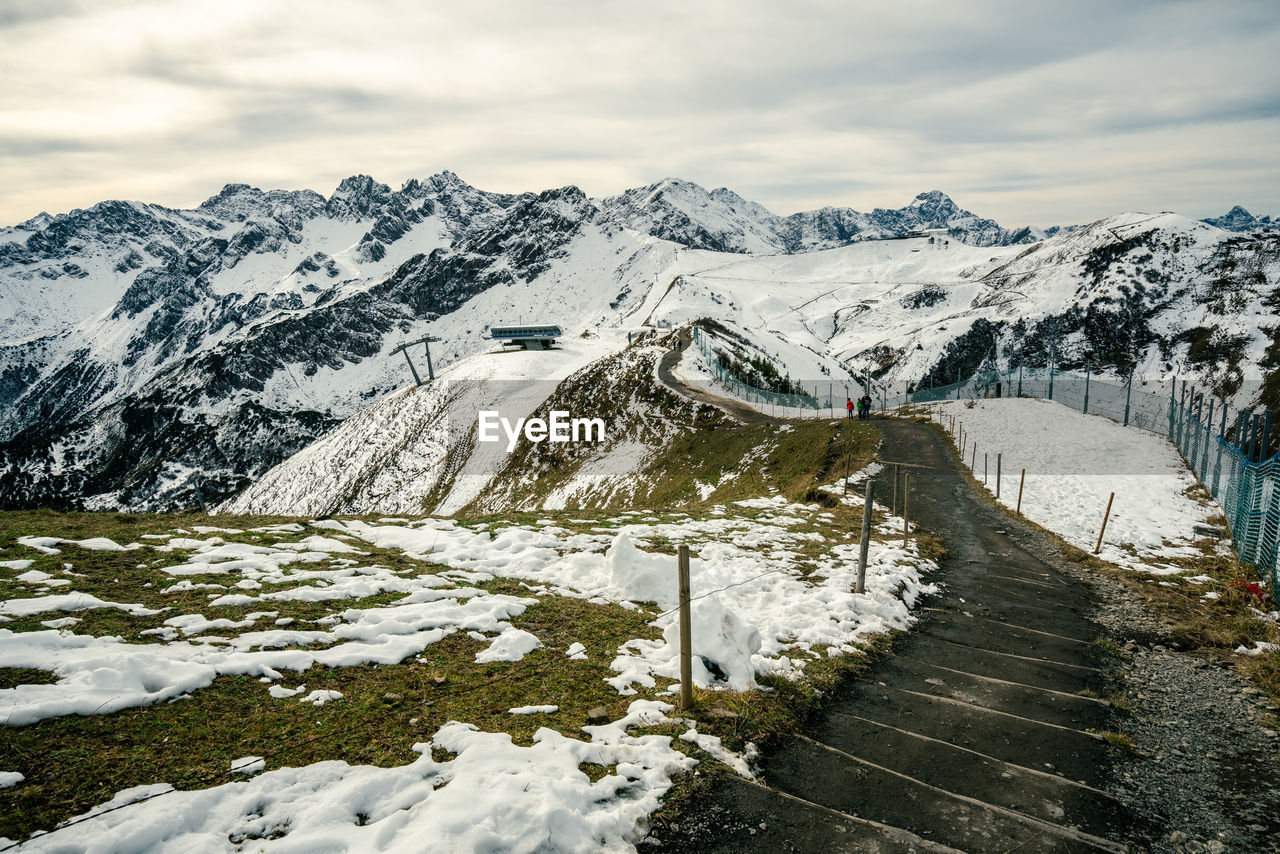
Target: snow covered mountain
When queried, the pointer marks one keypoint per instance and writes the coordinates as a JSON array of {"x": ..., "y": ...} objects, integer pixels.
[
  {"x": 145, "y": 350},
  {"x": 1239, "y": 219},
  {"x": 723, "y": 221}
]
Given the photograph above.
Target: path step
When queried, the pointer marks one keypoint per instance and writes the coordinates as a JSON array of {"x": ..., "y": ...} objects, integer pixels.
[
  {"x": 1047, "y": 705},
  {"x": 1071, "y": 753},
  {"x": 994, "y": 637},
  {"x": 841, "y": 781},
  {"x": 1022, "y": 669},
  {"x": 1035, "y": 792},
  {"x": 765, "y": 819}
]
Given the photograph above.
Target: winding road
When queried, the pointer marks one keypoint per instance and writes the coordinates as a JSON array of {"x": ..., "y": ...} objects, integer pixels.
[{"x": 735, "y": 408}]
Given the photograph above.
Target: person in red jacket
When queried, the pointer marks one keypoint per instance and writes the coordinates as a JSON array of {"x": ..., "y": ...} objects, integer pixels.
[{"x": 849, "y": 407}]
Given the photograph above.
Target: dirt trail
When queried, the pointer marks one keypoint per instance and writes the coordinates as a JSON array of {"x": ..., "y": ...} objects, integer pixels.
[
  {"x": 972, "y": 734},
  {"x": 735, "y": 408}
]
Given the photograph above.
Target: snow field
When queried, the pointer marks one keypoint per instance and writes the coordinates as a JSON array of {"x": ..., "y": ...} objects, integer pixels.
[
  {"x": 491, "y": 795},
  {"x": 767, "y": 615},
  {"x": 773, "y": 582},
  {"x": 1074, "y": 462}
]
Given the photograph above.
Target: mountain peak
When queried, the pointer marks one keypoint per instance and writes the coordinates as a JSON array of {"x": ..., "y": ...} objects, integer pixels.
[
  {"x": 37, "y": 222},
  {"x": 360, "y": 185},
  {"x": 229, "y": 192},
  {"x": 1239, "y": 219},
  {"x": 933, "y": 201},
  {"x": 356, "y": 197},
  {"x": 932, "y": 196}
]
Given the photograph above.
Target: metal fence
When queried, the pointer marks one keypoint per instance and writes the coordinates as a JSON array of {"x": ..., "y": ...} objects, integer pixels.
[
  {"x": 751, "y": 394},
  {"x": 1232, "y": 460},
  {"x": 1234, "y": 464},
  {"x": 1140, "y": 403},
  {"x": 1229, "y": 453},
  {"x": 828, "y": 398}
]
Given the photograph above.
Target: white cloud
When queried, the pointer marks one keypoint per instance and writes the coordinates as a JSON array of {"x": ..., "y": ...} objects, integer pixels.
[{"x": 1022, "y": 112}]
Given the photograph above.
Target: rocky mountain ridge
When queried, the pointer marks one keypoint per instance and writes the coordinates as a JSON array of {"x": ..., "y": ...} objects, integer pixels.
[{"x": 144, "y": 350}]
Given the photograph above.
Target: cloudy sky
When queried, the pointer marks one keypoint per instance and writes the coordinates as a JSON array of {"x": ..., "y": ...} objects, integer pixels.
[{"x": 1027, "y": 112}]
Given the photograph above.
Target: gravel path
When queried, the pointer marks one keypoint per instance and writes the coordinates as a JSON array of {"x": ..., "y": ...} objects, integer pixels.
[{"x": 1209, "y": 768}]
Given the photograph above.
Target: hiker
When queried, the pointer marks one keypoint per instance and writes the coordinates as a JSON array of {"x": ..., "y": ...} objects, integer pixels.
[
  {"x": 849, "y": 406},
  {"x": 864, "y": 407}
]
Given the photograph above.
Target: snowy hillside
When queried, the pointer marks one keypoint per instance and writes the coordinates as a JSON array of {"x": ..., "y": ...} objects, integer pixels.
[
  {"x": 1158, "y": 295},
  {"x": 416, "y": 449},
  {"x": 147, "y": 351},
  {"x": 723, "y": 221}
]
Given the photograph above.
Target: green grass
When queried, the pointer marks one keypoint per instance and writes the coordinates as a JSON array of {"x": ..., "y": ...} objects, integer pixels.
[
  {"x": 74, "y": 762},
  {"x": 691, "y": 444},
  {"x": 1116, "y": 739}
]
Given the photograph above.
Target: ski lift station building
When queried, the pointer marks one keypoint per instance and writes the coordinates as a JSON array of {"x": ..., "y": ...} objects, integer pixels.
[{"x": 528, "y": 337}]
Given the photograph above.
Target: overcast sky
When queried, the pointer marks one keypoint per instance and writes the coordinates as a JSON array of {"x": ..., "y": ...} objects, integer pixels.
[{"x": 1023, "y": 111}]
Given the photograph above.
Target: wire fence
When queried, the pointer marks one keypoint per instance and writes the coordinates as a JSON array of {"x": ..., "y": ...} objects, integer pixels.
[
  {"x": 752, "y": 394},
  {"x": 1233, "y": 461},
  {"x": 1229, "y": 453},
  {"x": 1138, "y": 403},
  {"x": 828, "y": 399}
]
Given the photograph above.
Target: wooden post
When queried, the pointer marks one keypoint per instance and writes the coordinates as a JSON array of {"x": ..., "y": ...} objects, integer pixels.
[
  {"x": 906, "y": 495},
  {"x": 846, "y": 465},
  {"x": 973, "y": 462},
  {"x": 893, "y": 508},
  {"x": 984, "y": 468},
  {"x": 686, "y": 632},
  {"x": 866, "y": 541},
  {"x": 1105, "y": 517},
  {"x": 998, "y": 476},
  {"x": 1022, "y": 480}
]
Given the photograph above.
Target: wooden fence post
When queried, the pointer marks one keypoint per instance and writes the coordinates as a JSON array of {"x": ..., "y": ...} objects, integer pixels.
[
  {"x": 906, "y": 496},
  {"x": 1105, "y": 517},
  {"x": 894, "y": 507},
  {"x": 1022, "y": 480},
  {"x": 686, "y": 632},
  {"x": 865, "y": 543}
]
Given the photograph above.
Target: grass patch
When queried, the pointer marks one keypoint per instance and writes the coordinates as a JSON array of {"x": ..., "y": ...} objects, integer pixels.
[
  {"x": 11, "y": 677},
  {"x": 696, "y": 454},
  {"x": 74, "y": 762},
  {"x": 1108, "y": 646},
  {"x": 1116, "y": 739}
]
